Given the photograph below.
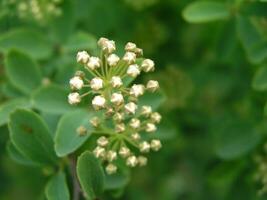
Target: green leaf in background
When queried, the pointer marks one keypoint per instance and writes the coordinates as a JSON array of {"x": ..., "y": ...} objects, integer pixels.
[
  {"x": 260, "y": 79},
  {"x": 152, "y": 99},
  {"x": 117, "y": 180},
  {"x": 31, "y": 42},
  {"x": 62, "y": 26},
  {"x": 67, "y": 139},
  {"x": 22, "y": 71},
  {"x": 235, "y": 139},
  {"x": 57, "y": 188},
  {"x": 205, "y": 11},
  {"x": 31, "y": 136},
  {"x": 11, "y": 91},
  {"x": 10, "y": 106},
  {"x": 81, "y": 41},
  {"x": 165, "y": 131},
  {"x": 253, "y": 42},
  {"x": 254, "y": 9},
  {"x": 17, "y": 156},
  {"x": 52, "y": 99},
  {"x": 90, "y": 175}
]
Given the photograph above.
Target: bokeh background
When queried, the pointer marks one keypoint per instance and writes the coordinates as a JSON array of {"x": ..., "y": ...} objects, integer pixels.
[{"x": 212, "y": 71}]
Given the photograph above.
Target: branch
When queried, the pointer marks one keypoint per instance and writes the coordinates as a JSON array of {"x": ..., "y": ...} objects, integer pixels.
[{"x": 76, "y": 185}]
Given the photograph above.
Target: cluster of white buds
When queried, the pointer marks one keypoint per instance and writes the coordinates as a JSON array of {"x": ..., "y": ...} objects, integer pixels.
[
  {"x": 130, "y": 121},
  {"x": 38, "y": 10}
]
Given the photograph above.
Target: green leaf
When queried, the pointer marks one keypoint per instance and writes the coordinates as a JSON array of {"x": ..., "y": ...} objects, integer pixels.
[
  {"x": 10, "y": 106},
  {"x": 260, "y": 79},
  {"x": 67, "y": 140},
  {"x": 235, "y": 139},
  {"x": 81, "y": 41},
  {"x": 62, "y": 26},
  {"x": 254, "y": 9},
  {"x": 52, "y": 99},
  {"x": 27, "y": 41},
  {"x": 90, "y": 175},
  {"x": 117, "y": 180},
  {"x": 31, "y": 136},
  {"x": 57, "y": 188},
  {"x": 22, "y": 71},
  {"x": 152, "y": 99},
  {"x": 17, "y": 156},
  {"x": 253, "y": 42},
  {"x": 205, "y": 11},
  {"x": 11, "y": 91}
]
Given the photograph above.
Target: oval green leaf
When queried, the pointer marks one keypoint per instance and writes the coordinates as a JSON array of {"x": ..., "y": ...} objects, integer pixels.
[
  {"x": 10, "y": 106},
  {"x": 236, "y": 139},
  {"x": 57, "y": 188},
  {"x": 67, "y": 140},
  {"x": 31, "y": 137},
  {"x": 52, "y": 99},
  {"x": 205, "y": 11},
  {"x": 91, "y": 175},
  {"x": 22, "y": 71},
  {"x": 29, "y": 41},
  {"x": 17, "y": 156}
]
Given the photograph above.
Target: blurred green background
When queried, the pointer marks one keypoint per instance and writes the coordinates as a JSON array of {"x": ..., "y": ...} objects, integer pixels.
[{"x": 210, "y": 62}]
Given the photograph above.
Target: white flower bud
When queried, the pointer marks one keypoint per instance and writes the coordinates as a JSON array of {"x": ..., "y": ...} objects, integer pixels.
[
  {"x": 81, "y": 130},
  {"x": 76, "y": 83},
  {"x": 116, "y": 98},
  {"x": 152, "y": 85},
  {"x": 102, "y": 141},
  {"x": 99, "y": 152},
  {"x": 138, "y": 52},
  {"x": 135, "y": 136},
  {"x": 109, "y": 112},
  {"x": 119, "y": 128},
  {"x": 144, "y": 147},
  {"x": 142, "y": 161},
  {"x": 129, "y": 57},
  {"x": 98, "y": 102},
  {"x": 74, "y": 98},
  {"x": 155, "y": 145},
  {"x": 111, "y": 169},
  {"x": 109, "y": 46},
  {"x": 101, "y": 41},
  {"x": 137, "y": 90},
  {"x": 131, "y": 161},
  {"x": 106, "y": 45},
  {"x": 111, "y": 155},
  {"x": 124, "y": 152},
  {"x": 93, "y": 63},
  {"x": 96, "y": 83},
  {"x": 133, "y": 70},
  {"x": 82, "y": 57},
  {"x": 118, "y": 117},
  {"x": 130, "y": 108},
  {"x": 130, "y": 46},
  {"x": 95, "y": 121},
  {"x": 148, "y": 65},
  {"x": 146, "y": 110},
  {"x": 156, "y": 117},
  {"x": 113, "y": 60},
  {"x": 150, "y": 127},
  {"x": 135, "y": 123},
  {"x": 116, "y": 81}
]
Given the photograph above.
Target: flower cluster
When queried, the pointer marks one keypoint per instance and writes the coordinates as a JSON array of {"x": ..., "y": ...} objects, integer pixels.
[
  {"x": 35, "y": 9},
  {"x": 124, "y": 124}
]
